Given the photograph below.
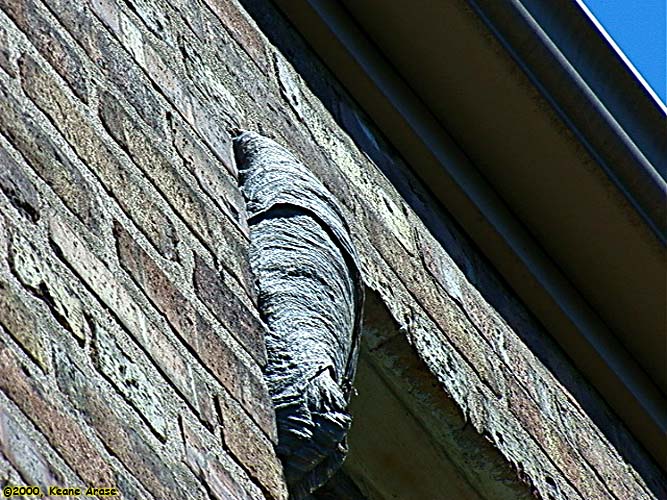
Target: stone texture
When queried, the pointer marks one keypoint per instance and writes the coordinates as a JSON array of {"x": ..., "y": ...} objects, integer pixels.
[
  {"x": 216, "y": 353},
  {"x": 18, "y": 319},
  {"x": 18, "y": 188},
  {"x": 115, "y": 296},
  {"x": 33, "y": 19},
  {"x": 41, "y": 275},
  {"x": 39, "y": 465},
  {"x": 62, "y": 432},
  {"x": 215, "y": 178},
  {"x": 251, "y": 447},
  {"x": 45, "y": 155},
  {"x": 216, "y": 233},
  {"x": 121, "y": 434},
  {"x": 128, "y": 190},
  {"x": 223, "y": 303},
  {"x": 136, "y": 384},
  {"x": 220, "y": 482},
  {"x": 123, "y": 111}
]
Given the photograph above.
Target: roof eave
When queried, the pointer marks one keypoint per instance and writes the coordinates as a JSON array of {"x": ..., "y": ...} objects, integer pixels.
[{"x": 439, "y": 161}]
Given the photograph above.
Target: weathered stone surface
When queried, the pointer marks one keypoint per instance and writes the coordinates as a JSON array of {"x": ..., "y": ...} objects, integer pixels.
[
  {"x": 169, "y": 72},
  {"x": 32, "y": 18},
  {"x": 225, "y": 305},
  {"x": 221, "y": 482},
  {"x": 24, "y": 130},
  {"x": 17, "y": 318},
  {"x": 8, "y": 471},
  {"x": 241, "y": 28},
  {"x": 120, "y": 434},
  {"x": 251, "y": 447},
  {"x": 128, "y": 190},
  {"x": 193, "y": 70},
  {"x": 129, "y": 378},
  {"x": 215, "y": 352},
  {"x": 214, "y": 177},
  {"x": 216, "y": 233},
  {"x": 114, "y": 64},
  {"x": 7, "y": 55},
  {"x": 40, "y": 274},
  {"x": 61, "y": 430},
  {"x": 26, "y": 459},
  {"x": 18, "y": 188},
  {"x": 114, "y": 295}
]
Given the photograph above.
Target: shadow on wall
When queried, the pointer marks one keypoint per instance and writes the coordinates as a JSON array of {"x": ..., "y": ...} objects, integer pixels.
[
  {"x": 478, "y": 271},
  {"x": 409, "y": 439}
]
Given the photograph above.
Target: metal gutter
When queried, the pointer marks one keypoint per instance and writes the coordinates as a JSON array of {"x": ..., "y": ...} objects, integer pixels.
[
  {"x": 538, "y": 160},
  {"x": 439, "y": 161},
  {"x": 608, "y": 72},
  {"x": 544, "y": 60}
]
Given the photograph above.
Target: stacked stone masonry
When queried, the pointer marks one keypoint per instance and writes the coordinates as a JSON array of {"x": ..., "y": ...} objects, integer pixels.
[{"x": 131, "y": 350}]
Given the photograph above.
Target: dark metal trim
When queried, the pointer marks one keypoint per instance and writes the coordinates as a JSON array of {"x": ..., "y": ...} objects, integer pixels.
[
  {"x": 601, "y": 125},
  {"x": 467, "y": 195}
]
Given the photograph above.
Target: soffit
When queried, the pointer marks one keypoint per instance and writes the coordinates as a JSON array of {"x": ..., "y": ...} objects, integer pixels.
[
  {"x": 579, "y": 243},
  {"x": 534, "y": 162}
]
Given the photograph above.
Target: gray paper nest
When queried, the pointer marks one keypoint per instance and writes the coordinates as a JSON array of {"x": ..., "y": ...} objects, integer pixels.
[{"x": 310, "y": 296}]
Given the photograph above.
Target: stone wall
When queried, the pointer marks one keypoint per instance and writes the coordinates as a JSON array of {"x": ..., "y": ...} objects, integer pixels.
[
  {"x": 131, "y": 349},
  {"x": 130, "y": 345}
]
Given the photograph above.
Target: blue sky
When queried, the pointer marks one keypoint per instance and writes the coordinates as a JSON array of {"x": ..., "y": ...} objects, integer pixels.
[{"x": 639, "y": 28}]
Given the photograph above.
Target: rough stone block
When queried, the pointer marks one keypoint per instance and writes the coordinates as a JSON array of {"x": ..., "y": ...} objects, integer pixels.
[
  {"x": 216, "y": 232},
  {"x": 113, "y": 293},
  {"x": 17, "y": 187},
  {"x": 25, "y": 132},
  {"x": 219, "y": 184},
  {"x": 28, "y": 458},
  {"x": 33, "y": 20},
  {"x": 17, "y": 318},
  {"x": 551, "y": 440},
  {"x": 221, "y": 482},
  {"x": 7, "y": 54},
  {"x": 7, "y": 471},
  {"x": 41, "y": 275},
  {"x": 60, "y": 429},
  {"x": 128, "y": 190},
  {"x": 243, "y": 31},
  {"x": 165, "y": 69},
  {"x": 251, "y": 447},
  {"x": 113, "y": 63},
  {"x": 122, "y": 435},
  {"x": 243, "y": 379},
  {"x": 123, "y": 370},
  {"x": 230, "y": 311}
]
